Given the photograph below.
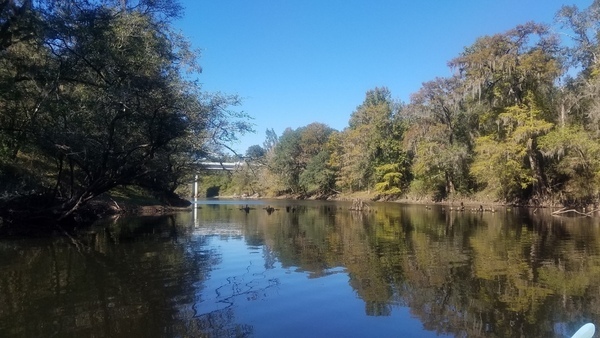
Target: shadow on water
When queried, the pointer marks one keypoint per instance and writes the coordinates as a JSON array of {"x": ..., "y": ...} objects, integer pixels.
[
  {"x": 225, "y": 271},
  {"x": 128, "y": 278}
]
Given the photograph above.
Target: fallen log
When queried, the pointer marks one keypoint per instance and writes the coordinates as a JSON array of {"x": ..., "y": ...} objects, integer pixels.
[{"x": 566, "y": 211}]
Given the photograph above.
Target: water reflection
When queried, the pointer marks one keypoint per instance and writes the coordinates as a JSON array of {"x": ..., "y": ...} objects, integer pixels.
[{"x": 307, "y": 269}]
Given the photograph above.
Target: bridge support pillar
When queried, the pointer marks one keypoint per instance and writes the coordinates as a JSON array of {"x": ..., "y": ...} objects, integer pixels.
[{"x": 195, "y": 192}]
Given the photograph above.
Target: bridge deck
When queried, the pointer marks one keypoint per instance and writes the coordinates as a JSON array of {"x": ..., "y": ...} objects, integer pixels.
[{"x": 222, "y": 166}]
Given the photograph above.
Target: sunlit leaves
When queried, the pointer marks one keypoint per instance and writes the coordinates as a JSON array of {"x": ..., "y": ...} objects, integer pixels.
[
  {"x": 356, "y": 169},
  {"x": 300, "y": 158},
  {"x": 389, "y": 178},
  {"x": 577, "y": 156},
  {"x": 513, "y": 70},
  {"x": 499, "y": 166},
  {"x": 439, "y": 166},
  {"x": 511, "y": 153},
  {"x": 440, "y": 138},
  {"x": 502, "y": 68},
  {"x": 505, "y": 161},
  {"x": 373, "y": 138}
]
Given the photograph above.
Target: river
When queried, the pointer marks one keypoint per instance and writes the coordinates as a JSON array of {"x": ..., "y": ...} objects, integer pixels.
[{"x": 307, "y": 269}]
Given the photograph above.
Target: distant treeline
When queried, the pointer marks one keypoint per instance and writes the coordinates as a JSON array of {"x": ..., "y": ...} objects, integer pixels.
[{"x": 518, "y": 122}]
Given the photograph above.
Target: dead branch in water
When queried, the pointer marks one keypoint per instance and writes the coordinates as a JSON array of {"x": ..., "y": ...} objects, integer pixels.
[
  {"x": 359, "y": 205},
  {"x": 565, "y": 211}
]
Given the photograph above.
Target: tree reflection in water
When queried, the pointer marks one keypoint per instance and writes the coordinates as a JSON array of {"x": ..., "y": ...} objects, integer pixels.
[
  {"x": 220, "y": 323},
  {"x": 132, "y": 278},
  {"x": 236, "y": 274}
]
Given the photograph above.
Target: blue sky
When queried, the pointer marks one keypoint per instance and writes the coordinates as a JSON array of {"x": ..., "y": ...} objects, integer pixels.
[{"x": 295, "y": 62}]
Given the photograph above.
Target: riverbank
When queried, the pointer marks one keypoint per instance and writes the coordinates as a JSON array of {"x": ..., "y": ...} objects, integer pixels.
[
  {"x": 137, "y": 201},
  {"x": 28, "y": 217},
  {"x": 108, "y": 206},
  {"x": 468, "y": 201}
]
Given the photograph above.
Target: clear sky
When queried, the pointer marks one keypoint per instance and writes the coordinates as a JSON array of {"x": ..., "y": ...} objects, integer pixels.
[{"x": 295, "y": 62}]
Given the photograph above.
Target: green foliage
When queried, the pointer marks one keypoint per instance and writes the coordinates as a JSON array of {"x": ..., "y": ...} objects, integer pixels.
[
  {"x": 295, "y": 151},
  {"x": 439, "y": 138},
  {"x": 506, "y": 161},
  {"x": 522, "y": 124},
  {"x": 255, "y": 152},
  {"x": 94, "y": 92},
  {"x": 390, "y": 179},
  {"x": 503, "y": 68},
  {"x": 373, "y": 138},
  {"x": 583, "y": 26},
  {"x": 440, "y": 167},
  {"x": 355, "y": 165},
  {"x": 285, "y": 161},
  {"x": 419, "y": 189},
  {"x": 512, "y": 76},
  {"x": 490, "y": 127},
  {"x": 271, "y": 140},
  {"x": 215, "y": 181},
  {"x": 318, "y": 178},
  {"x": 97, "y": 91},
  {"x": 498, "y": 166},
  {"x": 577, "y": 162}
]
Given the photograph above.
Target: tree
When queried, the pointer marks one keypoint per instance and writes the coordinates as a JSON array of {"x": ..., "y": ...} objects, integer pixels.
[
  {"x": 577, "y": 166},
  {"x": 246, "y": 179},
  {"x": 18, "y": 23},
  {"x": 23, "y": 60},
  {"x": 440, "y": 137},
  {"x": 107, "y": 102},
  {"x": 504, "y": 68},
  {"x": 121, "y": 104},
  {"x": 255, "y": 152},
  {"x": 512, "y": 76},
  {"x": 571, "y": 149},
  {"x": 506, "y": 162},
  {"x": 271, "y": 140},
  {"x": 583, "y": 27},
  {"x": 313, "y": 138},
  {"x": 285, "y": 162},
  {"x": 318, "y": 177},
  {"x": 578, "y": 99},
  {"x": 372, "y": 139},
  {"x": 295, "y": 151},
  {"x": 389, "y": 179}
]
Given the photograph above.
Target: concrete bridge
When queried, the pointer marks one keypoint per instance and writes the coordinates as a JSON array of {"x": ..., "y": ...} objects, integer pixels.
[
  {"x": 229, "y": 166},
  {"x": 224, "y": 166}
]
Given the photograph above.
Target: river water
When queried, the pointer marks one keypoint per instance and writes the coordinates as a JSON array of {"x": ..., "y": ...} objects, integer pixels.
[{"x": 307, "y": 269}]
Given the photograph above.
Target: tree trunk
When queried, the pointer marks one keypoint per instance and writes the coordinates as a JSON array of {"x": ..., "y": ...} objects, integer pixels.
[
  {"x": 449, "y": 184},
  {"x": 536, "y": 166}
]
